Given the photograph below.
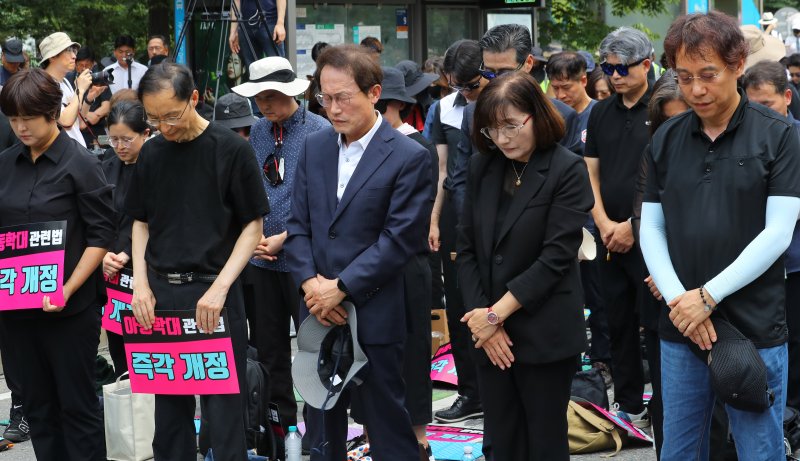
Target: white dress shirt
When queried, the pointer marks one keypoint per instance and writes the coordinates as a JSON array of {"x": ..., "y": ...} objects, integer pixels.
[
  {"x": 121, "y": 76},
  {"x": 349, "y": 156}
]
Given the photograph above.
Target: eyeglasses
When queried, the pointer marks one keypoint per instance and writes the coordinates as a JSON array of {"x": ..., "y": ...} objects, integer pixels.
[
  {"x": 171, "y": 121},
  {"x": 341, "y": 99},
  {"x": 622, "y": 69},
  {"x": 490, "y": 74},
  {"x": 124, "y": 142},
  {"x": 465, "y": 86},
  {"x": 509, "y": 131},
  {"x": 685, "y": 78}
]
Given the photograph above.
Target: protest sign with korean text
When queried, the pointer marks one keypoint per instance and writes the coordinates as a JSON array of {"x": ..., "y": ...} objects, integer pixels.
[
  {"x": 176, "y": 357},
  {"x": 32, "y": 265},
  {"x": 119, "y": 289}
]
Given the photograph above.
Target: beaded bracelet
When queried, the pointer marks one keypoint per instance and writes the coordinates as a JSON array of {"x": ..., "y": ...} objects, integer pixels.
[{"x": 708, "y": 306}]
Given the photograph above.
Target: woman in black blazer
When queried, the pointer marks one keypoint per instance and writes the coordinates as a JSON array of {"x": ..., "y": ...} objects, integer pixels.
[
  {"x": 527, "y": 200},
  {"x": 127, "y": 130}
]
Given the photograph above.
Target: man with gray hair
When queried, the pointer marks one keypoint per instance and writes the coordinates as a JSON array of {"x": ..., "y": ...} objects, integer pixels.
[{"x": 617, "y": 134}]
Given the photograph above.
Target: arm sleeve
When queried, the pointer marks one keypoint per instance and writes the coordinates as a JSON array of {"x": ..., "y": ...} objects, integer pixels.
[
  {"x": 762, "y": 252},
  {"x": 653, "y": 236}
]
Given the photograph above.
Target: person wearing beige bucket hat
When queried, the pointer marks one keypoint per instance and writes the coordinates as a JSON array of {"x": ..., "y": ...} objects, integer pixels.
[
  {"x": 58, "y": 58},
  {"x": 270, "y": 295},
  {"x": 763, "y": 47}
]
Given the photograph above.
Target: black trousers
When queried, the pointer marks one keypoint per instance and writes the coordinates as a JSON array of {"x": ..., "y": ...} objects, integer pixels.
[
  {"x": 11, "y": 366},
  {"x": 793, "y": 324},
  {"x": 460, "y": 336},
  {"x": 175, "y": 438},
  {"x": 656, "y": 407},
  {"x": 621, "y": 278},
  {"x": 379, "y": 400},
  {"x": 116, "y": 349},
  {"x": 58, "y": 376},
  {"x": 600, "y": 350},
  {"x": 525, "y": 410},
  {"x": 271, "y": 299}
]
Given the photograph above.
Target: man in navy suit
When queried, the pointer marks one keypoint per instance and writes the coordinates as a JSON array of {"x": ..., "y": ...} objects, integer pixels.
[{"x": 361, "y": 204}]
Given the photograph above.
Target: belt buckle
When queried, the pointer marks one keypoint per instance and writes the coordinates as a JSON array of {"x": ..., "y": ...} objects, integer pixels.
[{"x": 174, "y": 279}]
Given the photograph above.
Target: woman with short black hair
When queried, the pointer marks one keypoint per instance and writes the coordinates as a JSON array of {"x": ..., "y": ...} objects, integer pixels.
[
  {"x": 527, "y": 201},
  {"x": 48, "y": 177}
]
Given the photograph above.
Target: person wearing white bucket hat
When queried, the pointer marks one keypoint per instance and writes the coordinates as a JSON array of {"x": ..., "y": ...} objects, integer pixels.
[
  {"x": 792, "y": 42},
  {"x": 58, "y": 58},
  {"x": 270, "y": 295}
]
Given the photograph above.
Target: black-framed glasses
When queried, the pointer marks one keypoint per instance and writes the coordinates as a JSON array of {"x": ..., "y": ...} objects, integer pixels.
[
  {"x": 465, "y": 86},
  {"x": 621, "y": 69},
  {"x": 272, "y": 167},
  {"x": 490, "y": 74},
  {"x": 171, "y": 121},
  {"x": 509, "y": 131}
]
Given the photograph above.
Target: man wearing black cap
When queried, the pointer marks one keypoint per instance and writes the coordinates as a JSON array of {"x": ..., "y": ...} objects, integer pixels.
[
  {"x": 12, "y": 59},
  {"x": 234, "y": 112}
]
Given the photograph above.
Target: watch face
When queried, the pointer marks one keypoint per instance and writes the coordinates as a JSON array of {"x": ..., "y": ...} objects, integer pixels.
[{"x": 491, "y": 317}]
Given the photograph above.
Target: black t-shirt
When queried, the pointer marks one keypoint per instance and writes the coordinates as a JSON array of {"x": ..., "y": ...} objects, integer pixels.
[
  {"x": 714, "y": 196},
  {"x": 450, "y": 135},
  {"x": 195, "y": 197},
  {"x": 119, "y": 174},
  {"x": 65, "y": 184},
  {"x": 617, "y": 136}
]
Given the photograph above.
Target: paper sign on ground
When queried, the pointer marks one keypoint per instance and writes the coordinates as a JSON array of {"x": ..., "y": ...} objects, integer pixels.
[
  {"x": 176, "y": 357},
  {"x": 32, "y": 264},
  {"x": 119, "y": 290}
]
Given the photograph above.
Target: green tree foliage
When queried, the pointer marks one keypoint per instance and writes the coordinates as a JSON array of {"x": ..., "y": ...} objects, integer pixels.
[
  {"x": 579, "y": 24},
  {"x": 90, "y": 22}
]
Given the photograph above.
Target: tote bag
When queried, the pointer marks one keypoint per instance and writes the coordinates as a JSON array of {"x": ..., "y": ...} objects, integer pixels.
[{"x": 129, "y": 422}]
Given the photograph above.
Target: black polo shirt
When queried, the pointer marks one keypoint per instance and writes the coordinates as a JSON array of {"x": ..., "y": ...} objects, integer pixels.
[
  {"x": 617, "y": 136},
  {"x": 714, "y": 197},
  {"x": 66, "y": 183},
  {"x": 195, "y": 197}
]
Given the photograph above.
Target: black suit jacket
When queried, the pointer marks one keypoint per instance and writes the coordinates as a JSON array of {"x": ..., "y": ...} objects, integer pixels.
[{"x": 535, "y": 253}]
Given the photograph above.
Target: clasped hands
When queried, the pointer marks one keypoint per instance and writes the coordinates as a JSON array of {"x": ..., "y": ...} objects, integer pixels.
[
  {"x": 324, "y": 300},
  {"x": 617, "y": 236},
  {"x": 689, "y": 315},
  {"x": 493, "y": 339}
]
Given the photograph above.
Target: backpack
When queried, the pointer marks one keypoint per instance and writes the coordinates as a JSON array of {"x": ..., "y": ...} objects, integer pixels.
[
  {"x": 260, "y": 434},
  {"x": 589, "y": 432},
  {"x": 589, "y": 386}
]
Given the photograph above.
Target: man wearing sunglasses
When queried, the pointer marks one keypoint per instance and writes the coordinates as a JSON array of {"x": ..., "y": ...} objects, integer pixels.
[
  {"x": 616, "y": 136},
  {"x": 270, "y": 295}
]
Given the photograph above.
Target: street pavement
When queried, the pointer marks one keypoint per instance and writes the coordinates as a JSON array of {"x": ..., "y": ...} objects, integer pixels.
[{"x": 24, "y": 451}]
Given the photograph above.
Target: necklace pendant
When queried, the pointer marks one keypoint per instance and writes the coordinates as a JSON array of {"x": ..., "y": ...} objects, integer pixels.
[{"x": 518, "y": 182}]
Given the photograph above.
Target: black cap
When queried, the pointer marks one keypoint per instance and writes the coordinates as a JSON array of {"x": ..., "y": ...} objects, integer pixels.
[
  {"x": 233, "y": 111},
  {"x": 737, "y": 371},
  {"x": 12, "y": 50}
]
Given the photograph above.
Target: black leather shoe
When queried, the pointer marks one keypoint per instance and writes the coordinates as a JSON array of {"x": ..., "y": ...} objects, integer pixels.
[{"x": 463, "y": 408}]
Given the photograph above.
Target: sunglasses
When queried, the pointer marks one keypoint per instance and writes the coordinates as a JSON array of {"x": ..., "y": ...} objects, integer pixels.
[
  {"x": 271, "y": 169},
  {"x": 490, "y": 74},
  {"x": 465, "y": 86},
  {"x": 621, "y": 69}
]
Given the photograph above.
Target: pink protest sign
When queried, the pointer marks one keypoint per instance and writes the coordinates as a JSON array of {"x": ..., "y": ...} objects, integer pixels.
[
  {"x": 176, "y": 357},
  {"x": 443, "y": 367},
  {"x": 633, "y": 431},
  {"x": 119, "y": 290},
  {"x": 453, "y": 434},
  {"x": 32, "y": 265}
]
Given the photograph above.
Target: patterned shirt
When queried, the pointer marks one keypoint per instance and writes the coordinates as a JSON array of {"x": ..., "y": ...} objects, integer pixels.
[{"x": 262, "y": 138}]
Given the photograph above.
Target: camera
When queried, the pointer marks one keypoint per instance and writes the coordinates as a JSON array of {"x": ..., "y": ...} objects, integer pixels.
[{"x": 102, "y": 77}]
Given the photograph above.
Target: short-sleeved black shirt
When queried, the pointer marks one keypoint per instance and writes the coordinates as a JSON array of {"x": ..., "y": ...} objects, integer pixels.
[
  {"x": 443, "y": 133},
  {"x": 714, "y": 197},
  {"x": 617, "y": 136},
  {"x": 66, "y": 183},
  {"x": 195, "y": 197}
]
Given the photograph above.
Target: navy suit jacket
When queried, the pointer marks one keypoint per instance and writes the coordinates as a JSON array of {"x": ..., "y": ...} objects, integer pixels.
[{"x": 368, "y": 237}]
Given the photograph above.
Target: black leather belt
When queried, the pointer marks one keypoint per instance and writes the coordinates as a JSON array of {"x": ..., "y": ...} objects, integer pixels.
[{"x": 180, "y": 278}]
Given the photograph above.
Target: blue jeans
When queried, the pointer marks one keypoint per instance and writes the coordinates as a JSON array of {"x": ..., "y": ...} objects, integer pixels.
[{"x": 689, "y": 400}]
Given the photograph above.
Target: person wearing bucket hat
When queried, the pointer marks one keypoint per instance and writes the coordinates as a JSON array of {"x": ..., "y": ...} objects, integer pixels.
[
  {"x": 792, "y": 42},
  {"x": 716, "y": 221},
  {"x": 762, "y": 47},
  {"x": 12, "y": 59},
  {"x": 417, "y": 84},
  {"x": 393, "y": 104},
  {"x": 197, "y": 203},
  {"x": 234, "y": 112},
  {"x": 270, "y": 296},
  {"x": 360, "y": 204},
  {"x": 58, "y": 58}
]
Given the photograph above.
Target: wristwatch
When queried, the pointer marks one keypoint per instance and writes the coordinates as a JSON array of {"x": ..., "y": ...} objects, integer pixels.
[{"x": 492, "y": 317}]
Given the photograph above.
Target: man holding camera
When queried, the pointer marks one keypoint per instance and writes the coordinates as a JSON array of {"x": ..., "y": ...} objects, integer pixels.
[
  {"x": 127, "y": 72},
  {"x": 98, "y": 96}
]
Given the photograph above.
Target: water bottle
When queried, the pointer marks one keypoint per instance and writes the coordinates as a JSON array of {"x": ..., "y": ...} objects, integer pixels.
[
  {"x": 468, "y": 454},
  {"x": 294, "y": 447}
]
